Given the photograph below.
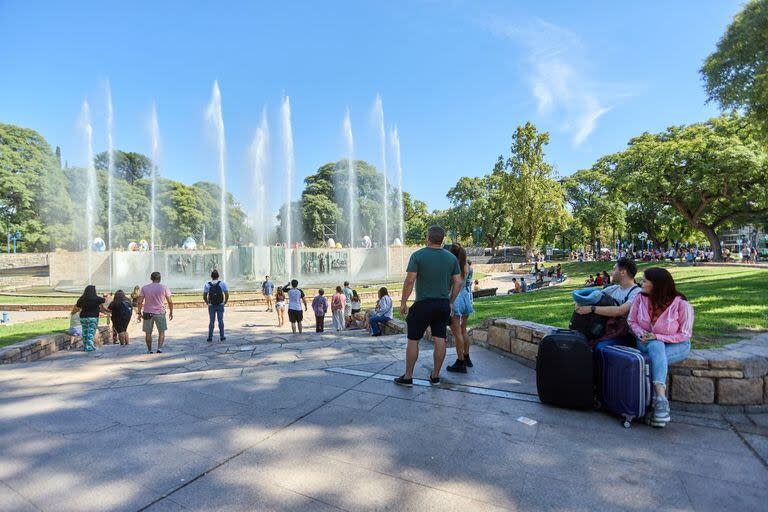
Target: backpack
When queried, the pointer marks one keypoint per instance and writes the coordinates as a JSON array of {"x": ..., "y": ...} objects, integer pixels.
[
  {"x": 125, "y": 309},
  {"x": 215, "y": 294},
  {"x": 598, "y": 327}
]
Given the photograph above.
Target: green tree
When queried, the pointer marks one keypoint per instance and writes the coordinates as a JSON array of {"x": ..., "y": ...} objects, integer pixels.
[
  {"x": 33, "y": 192},
  {"x": 129, "y": 166},
  {"x": 736, "y": 74},
  {"x": 535, "y": 198},
  {"x": 416, "y": 219},
  {"x": 480, "y": 203},
  {"x": 712, "y": 173},
  {"x": 595, "y": 202}
]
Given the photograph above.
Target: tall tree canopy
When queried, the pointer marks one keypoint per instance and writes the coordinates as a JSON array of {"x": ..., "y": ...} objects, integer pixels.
[
  {"x": 596, "y": 202},
  {"x": 129, "y": 166},
  {"x": 325, "y": 202},
  {"x": 712, "y": 173},
  {"x": 33, "y": 197},
  {"x": 479, "y": 203},
  {"x": 530, "y": 188},
  {"x": 736, "y": 74}
]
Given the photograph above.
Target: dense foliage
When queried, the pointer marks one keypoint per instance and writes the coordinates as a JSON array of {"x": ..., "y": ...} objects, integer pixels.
[{"x": 47, "y": 203}]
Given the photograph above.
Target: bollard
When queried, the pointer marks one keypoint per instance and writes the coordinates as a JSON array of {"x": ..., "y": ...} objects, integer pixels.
[{"x": 6, "y": 318}]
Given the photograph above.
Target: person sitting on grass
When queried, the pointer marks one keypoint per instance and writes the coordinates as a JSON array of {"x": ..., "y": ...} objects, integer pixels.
[
  {"x": 661, "y": 318},
  {"x": 382, "y": 313},
  {"x": 523, "y": 286}
]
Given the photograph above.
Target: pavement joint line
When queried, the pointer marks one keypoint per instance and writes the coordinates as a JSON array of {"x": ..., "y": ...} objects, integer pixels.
[
  {"x": 747, "y": 443},
  {"x": 473, "y": 390},
  {"x": 244, "y": 450}
]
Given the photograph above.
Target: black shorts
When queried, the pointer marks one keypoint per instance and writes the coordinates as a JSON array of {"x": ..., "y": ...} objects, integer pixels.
[
  {"x": 432, "y": 313},
  {"x": 295, "y": 316}
]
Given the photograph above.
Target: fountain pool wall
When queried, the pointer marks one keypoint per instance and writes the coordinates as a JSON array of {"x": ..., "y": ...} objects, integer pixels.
[{"x": 247, "y": 266}]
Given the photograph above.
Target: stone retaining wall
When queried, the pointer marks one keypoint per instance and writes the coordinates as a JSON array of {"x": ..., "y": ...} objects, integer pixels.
[
  {"x": 37, "y": 348},
  {"x": 734, "y": 375}
]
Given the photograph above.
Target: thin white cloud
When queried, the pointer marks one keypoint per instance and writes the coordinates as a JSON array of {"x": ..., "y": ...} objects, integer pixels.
[{"x": 557, "y": 62}]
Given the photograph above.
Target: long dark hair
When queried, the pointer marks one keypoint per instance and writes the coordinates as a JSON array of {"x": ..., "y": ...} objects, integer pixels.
[
  {"x": 664, "y": 290},
  {"x": 89, "y": 293},
  {"x": 119, "y": 296},
  {"x": 461, "y": 255},
  {"x": 383, "y": 291}
]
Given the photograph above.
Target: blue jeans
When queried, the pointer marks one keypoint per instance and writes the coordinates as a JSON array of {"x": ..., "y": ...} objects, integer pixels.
[
  {"x": 374, "y": 321},
  {"x": 215, "y": 311},
  {"x": 609, "y": 343},
  {"x": 662, "y": 355}
]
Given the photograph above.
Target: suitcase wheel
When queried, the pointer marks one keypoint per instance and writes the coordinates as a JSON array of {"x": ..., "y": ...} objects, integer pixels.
[{"x": 627, "y": 424}]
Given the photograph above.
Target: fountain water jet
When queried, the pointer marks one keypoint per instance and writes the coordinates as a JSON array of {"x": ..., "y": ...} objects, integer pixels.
[
  {"x": 351, "y": 177},
  {"x": 378, "y": 112},
  {"x": 216, "y": 117},
  {"x": 91, "y": 186},
  {"x": 260, "y": 167},
  {"x": 395, "y": 141},
  {"x": 155, "y": 128},
  {"x": 289, "y": 169}
]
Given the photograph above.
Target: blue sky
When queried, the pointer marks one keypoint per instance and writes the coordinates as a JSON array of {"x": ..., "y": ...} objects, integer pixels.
[{"x": 455, "y": 77}]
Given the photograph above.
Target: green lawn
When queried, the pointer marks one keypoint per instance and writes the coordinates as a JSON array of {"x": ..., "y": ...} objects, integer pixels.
[
  {"x": 10, "y": 334},
  {"x": 728, "y": 301}
]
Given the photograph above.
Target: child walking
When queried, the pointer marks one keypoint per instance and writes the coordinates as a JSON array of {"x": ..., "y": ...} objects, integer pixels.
[{"x": 320, "y": 307}]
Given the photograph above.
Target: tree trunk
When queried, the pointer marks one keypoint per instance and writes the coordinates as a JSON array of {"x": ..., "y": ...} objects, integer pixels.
[{"x": 714, "y": 241}]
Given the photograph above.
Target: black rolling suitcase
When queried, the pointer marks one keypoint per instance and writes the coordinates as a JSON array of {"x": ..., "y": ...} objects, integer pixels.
[{"x": 564, "y": 370}]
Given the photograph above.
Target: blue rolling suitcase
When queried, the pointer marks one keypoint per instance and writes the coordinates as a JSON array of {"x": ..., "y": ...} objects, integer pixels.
[{"x": 624, "y": 381}]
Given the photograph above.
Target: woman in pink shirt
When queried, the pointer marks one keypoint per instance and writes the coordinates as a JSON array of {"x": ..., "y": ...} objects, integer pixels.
[{"x": 662, "y": 320}]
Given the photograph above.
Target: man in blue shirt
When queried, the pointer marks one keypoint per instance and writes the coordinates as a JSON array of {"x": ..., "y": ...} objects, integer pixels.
[
  {"x": 216, "y": 296},
  {"x": 266, "y": 289}
]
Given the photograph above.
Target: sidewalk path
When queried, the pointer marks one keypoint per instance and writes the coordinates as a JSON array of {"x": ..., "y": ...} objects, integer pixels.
[{"x": 272, "y": 421}]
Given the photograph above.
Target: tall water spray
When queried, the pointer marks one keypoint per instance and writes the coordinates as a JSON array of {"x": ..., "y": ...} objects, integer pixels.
[
  {"x": 378, "y": 111},
  {"x": 260, "y": 169},
  {"x": 351, "y": 177},
  {"x": 395, "y": 141},
  {"x": 289, "y": 169},
  {"x": 91, "y": 195},
  {"x": 155, "y": 128},
  {"x": 216, "y": 117}
]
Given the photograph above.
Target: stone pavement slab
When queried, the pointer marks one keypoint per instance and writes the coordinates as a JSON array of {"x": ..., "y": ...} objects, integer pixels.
[{"x": 258, "y": 422}]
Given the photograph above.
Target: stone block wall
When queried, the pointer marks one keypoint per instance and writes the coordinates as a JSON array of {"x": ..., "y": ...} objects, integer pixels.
[
  {"x": 734, "y": 375},
  {"x": 31, "y": 350}
]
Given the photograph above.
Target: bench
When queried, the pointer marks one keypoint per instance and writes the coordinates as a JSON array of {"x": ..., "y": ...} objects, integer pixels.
[{"x": 484, "y": 292}]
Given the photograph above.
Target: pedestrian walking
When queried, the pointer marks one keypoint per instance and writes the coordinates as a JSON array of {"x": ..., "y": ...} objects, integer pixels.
[
  {"x": 436, "y": 275},
  {"x": 266, "y": 288},
  {"x": 215, "y": 296},
  {"x": 280, "y": 306},
  {"x": 121, "y": 311},
  {"x": 320, "y": 308},
  {"x": 150, "y": 309},
  {"x": 338, "y": 307},
  {"x": 89, "y": 304},
  {"x": 295, "y": 298},
  {"x": 347, "y": 302}
]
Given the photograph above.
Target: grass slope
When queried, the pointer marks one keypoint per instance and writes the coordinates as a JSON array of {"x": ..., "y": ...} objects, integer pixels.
[
  {"x": 728, "y": 301},
  {"x": 10, "y": 334}
]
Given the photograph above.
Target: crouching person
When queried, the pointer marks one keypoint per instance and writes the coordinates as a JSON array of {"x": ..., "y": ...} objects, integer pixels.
[{"x": 661, "y": 318}]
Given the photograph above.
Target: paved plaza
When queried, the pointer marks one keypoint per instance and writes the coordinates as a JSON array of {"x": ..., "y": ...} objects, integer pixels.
[{"x": 272, "y": 421}]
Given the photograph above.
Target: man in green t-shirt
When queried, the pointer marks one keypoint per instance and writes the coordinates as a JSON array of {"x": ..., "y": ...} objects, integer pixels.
[{"x": 437, "y": 277}]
